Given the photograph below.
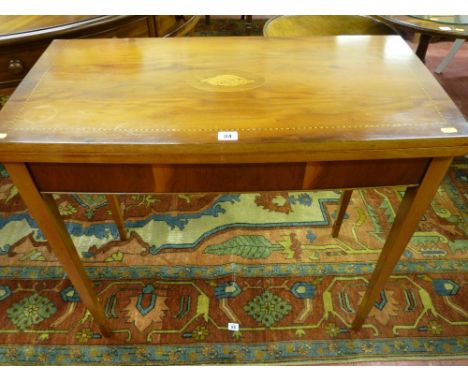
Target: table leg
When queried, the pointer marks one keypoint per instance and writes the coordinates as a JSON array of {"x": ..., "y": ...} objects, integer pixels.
[
  {"x": 45, "y": 211},
  {"x": 248, "y": 24},
  {"x": 344, "y": 201},
  {"x": 422, "y": 46},
  {"x": 114, "y": 205},
  {"x": 453, "y": 51},
  {"x": 414, "y": 204}
]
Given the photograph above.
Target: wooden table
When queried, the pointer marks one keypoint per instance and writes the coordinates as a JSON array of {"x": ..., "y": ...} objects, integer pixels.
[
  {"x": 316, "y": 25},
  {"x": 229, "y": 115},
  {"x": 24, "y": 38},
  {"x": 452, "y": 27}
]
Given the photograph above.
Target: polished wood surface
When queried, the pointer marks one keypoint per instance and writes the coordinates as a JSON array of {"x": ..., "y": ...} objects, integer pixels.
[
  {"x": 362, "y": 173},
  {"x": 71, "y": 177},
  {"x": 26, "y": 28},
  {"x": 445, "y": 27},
  {"x": 438, "y": 26},
  {"x": 316, "y": 25},
  {"x": 184, "y": 91},
  {"x": 24, "y": 38},
  {"x": 240, "y": 177},
  {"x": 117, "y": 214},
  {"x": 343, "y": 206},
  {"x": 16, "y": 25}
]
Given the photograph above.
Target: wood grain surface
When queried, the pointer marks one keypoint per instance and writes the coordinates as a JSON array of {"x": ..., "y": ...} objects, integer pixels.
[
  {"x": 27, "y": 28},
  {"x": 164, "y": 101},
  {"x": 317, "y": 25}
]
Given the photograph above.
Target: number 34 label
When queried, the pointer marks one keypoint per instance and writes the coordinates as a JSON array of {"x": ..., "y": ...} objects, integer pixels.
[{"x": 228, "y": 136}]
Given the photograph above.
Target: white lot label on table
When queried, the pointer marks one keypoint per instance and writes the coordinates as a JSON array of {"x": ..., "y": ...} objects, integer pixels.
[{"x": 228, "y": 136}]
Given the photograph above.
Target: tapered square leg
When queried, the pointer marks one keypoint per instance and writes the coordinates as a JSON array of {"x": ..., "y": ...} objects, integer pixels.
[
  {"x": 344, "y": 202},
  {"x": 117, "y": 214},
  {"x": 414, "y": 204},
  {"x": 44, "y": 210}
]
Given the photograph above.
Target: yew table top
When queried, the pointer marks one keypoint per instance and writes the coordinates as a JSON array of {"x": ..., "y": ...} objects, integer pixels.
[{"x": 137, "y": 100}]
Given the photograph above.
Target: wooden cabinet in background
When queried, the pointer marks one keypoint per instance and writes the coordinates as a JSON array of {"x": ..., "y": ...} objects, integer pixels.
[{"x": 24, "y": 38}]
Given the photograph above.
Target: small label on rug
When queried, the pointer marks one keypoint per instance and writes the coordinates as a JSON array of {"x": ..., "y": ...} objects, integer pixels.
[
  {"x": 227, "y": 136},
  {"x": 233, "y": 327},
  {"x": 445, "y": 28},
  {"x": 3, "y": 135}
]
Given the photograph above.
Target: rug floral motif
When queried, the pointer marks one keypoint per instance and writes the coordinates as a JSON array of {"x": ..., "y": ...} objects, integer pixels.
[{"x": 195, "y": 263}]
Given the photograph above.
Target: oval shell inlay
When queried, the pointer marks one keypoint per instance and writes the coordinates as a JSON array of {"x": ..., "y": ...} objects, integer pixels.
[{"x": 227, "y": 82}]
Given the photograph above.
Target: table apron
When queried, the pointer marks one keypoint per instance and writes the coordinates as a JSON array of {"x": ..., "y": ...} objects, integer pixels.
[{"x": 147, "y": 178}]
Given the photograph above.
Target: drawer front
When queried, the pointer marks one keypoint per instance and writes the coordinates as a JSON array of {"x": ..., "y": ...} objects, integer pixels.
[
  {"x": 15, "y": 62},
  {"x": 106, "y": 178},
  {"x": 242, "y": 177}
]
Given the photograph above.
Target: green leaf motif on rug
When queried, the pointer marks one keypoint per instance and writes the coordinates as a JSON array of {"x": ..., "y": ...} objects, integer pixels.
[
  {"x": 186, "y": 197},
  {"x": 146, "y": 200},
  {"x": 458, "y": 245},
  {"x": 30, "y": 310},
  {"x": 279, "y": 200},
  {"x": 267, "y": 308},
  {"x": 66, "y": 209},
  {"x": 7, "y": 192},
  {"x": 286, "y": 242},
  {"x": 33, "y": 255},
  {"x": 300, "y": 333},
  {"x": 116, "y": 256},
  {"x": 43, "y": 337},
  {"x": 374, "y": 219},
  {"x": 387, "y": 209},
  {"x": 247, "y": 246}
]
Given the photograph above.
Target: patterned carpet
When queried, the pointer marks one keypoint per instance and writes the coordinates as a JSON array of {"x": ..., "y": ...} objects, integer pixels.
[{"x": 195, "y": 263}]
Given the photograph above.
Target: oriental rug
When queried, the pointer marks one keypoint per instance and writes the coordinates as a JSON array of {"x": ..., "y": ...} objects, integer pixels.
[{"x": 194, "y": 264}]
